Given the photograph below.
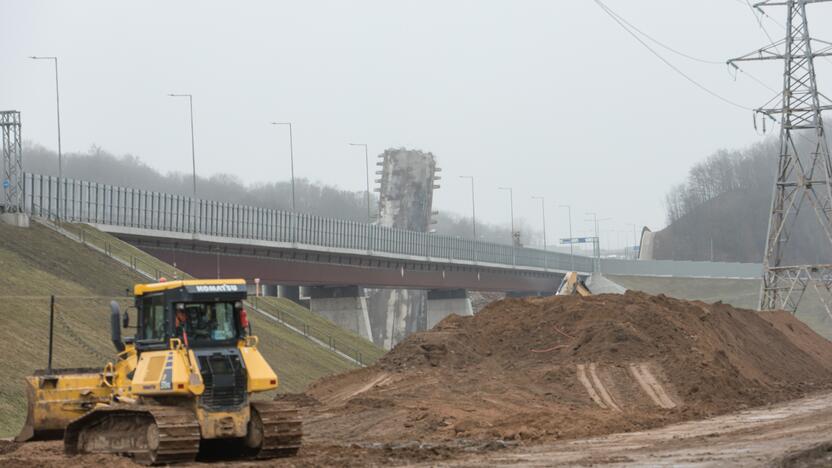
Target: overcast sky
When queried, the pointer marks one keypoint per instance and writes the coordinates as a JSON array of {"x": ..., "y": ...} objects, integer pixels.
[{"x": 549, "y": 97}]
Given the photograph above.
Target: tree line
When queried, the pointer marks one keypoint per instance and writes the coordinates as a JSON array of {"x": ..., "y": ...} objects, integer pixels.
[{"x": 98, "y": 165}]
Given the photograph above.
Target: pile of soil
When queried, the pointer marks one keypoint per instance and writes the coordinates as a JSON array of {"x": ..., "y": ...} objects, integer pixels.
[{"x": 545, "y": 368}]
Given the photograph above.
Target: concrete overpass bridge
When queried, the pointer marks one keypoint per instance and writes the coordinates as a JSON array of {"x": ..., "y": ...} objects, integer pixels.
[{"x": 336, "y": 258}]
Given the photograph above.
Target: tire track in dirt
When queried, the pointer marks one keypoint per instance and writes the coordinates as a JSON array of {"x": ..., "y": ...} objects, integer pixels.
[
  {"x": 645, "y": 378},
  {"x": 595, "y": 388},
  {"x": 581, "y": 369},
  {"x": 602, "y": 390}
]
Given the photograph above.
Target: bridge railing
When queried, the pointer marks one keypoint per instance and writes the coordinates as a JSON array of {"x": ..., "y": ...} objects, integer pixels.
[{"x": 82, "y": 201}]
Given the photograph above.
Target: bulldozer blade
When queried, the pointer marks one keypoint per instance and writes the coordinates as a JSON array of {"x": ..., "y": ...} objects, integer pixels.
[
  {"x": 28, "y": 432},
  {"x": 54, "y": 399}
]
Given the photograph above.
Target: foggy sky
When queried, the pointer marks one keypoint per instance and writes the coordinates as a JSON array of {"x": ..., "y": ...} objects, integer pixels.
[{"x": 549, "y": 97}]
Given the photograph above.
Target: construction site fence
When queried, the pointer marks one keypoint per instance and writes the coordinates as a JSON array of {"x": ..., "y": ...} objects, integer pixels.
[{"x": 102, "y": 204}]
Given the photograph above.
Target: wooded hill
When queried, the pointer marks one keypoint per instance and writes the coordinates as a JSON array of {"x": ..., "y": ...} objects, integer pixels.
[{"x": 721, "y": 211}]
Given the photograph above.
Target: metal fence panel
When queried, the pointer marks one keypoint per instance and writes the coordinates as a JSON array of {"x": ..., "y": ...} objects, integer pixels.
[{"x": 86, "y": 202}]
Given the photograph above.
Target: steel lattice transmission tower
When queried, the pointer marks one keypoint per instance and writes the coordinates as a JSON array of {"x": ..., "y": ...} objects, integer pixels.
[
  {"x": 12, "y": 177},
  {"x": 804, "y": 171}
]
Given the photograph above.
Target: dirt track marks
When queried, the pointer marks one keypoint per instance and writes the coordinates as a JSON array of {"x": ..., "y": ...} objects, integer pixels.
[
  {"x": 595, "y": 388},
  {"x": 351, "y": 391},
  {"x": 651, "y": 386},
  {"x": 640, "y": 372}
]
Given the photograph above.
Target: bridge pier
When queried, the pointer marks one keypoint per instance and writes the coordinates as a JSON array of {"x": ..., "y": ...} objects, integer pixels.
[
  {"x": 289, "y": 292},
  {"x": 346, "y": 306},
  {"x": 20, "y": 220},
  {"x": 444, "y": 302}
]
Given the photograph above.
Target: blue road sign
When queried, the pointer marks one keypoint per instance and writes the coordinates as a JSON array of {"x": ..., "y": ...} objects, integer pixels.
[
  {"x": 578, "y": 240},
  {"x": 6, "y": 183}
]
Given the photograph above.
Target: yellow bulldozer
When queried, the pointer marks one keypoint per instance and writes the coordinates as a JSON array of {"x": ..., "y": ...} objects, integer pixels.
[
  {"x": 181, "y": 387},
  {"x": 573, "y": 285}
]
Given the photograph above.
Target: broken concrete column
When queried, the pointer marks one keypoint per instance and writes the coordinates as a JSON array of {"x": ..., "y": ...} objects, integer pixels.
[
  {"x": 344, "y": 306},
  {"x": 406, "y": 183},
  {"x": 445, "y": 302}
]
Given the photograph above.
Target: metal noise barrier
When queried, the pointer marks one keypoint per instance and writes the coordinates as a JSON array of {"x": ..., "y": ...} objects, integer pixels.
[{"x": 81, "y": 201}]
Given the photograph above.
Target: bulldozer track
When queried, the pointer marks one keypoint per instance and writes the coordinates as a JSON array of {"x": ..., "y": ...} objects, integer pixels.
[
  {"x": 282, "y": 429},
  {"x": 152, "y": 435},
  {"x": 178, "y": 435}
]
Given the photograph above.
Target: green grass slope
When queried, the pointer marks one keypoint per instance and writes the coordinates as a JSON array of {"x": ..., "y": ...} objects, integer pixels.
[
  {"x": 298, "y": 316},
  {"x": 743, "y": 293},
  {"x": 37, "y": 262}
]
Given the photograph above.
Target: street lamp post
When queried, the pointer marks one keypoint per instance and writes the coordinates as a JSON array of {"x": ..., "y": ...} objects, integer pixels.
[
  {"x": 635, "y": 240},
  {"x": 367, "y": 173},
  {"x": 511, "y": 204},
  {"x": 473, "y": 207},
  {"x": 58, "y": 110},
  {"x": 291, "y": 159},
  {"x": 543, "y": 209},
  {"x": 543, "y": 212},
  {"x": 193, "y": 150},
  {"x": 58, "y": 113},
  {"x": 597, "y": 244},
  {"x": 571, "y": 244}
]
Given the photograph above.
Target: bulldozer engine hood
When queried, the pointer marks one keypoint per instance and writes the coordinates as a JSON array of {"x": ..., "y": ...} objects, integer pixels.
[
  {"x": 206, "y": 293},
  {"x": 196, "y": 290}
]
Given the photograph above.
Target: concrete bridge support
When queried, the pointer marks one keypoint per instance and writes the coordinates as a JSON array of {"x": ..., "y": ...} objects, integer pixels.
[
  {"x": 346, "y": 306},
  {"x": 15, "y": 219},
  {"x": 289, "y": 292},
  {"x": 444, "y": 302}
]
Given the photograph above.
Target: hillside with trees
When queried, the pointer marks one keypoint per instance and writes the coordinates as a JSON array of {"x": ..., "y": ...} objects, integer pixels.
[{"x": 721, "y": 211}]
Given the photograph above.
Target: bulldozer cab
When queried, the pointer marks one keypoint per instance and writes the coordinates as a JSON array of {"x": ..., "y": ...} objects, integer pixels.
[{"x": 201, "y": 314}]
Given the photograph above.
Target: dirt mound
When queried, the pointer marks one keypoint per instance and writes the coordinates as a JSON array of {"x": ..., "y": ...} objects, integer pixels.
[{"x": 569, "y": 367}]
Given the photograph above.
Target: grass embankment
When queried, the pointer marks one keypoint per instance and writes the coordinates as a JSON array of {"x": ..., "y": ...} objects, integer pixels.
[
  {"x": 744, "y": 293},
  {"x": 296, "y": 315},
  {"x": 38, "y": 262}
]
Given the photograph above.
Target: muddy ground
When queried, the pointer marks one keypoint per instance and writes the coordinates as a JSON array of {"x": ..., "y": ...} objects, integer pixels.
[{"x": 530, "y": 373}]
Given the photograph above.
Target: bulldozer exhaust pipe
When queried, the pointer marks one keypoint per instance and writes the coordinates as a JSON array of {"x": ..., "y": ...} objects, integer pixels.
[{"x": 115, "y": 326}]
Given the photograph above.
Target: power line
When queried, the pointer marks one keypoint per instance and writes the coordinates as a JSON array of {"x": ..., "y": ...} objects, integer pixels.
[
  {"x": 612, "y": 15},
  {"x": 691, "y": 57},
  {"x": 760, "y": 22},
  {"x": 763, "y": 14},
  {"x": 759, "y": 81},
  {"x": 661, "y": 44}
]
